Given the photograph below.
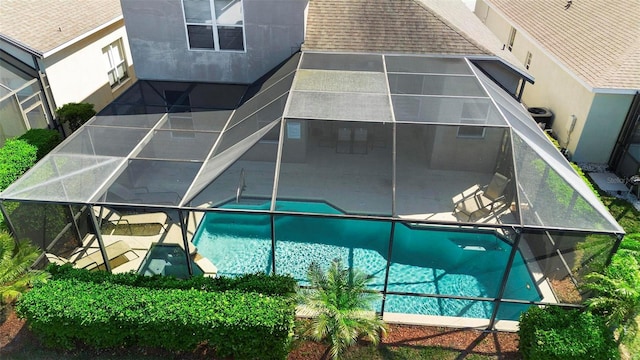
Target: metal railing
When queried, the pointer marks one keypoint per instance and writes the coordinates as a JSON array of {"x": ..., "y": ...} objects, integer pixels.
[{"x": 242, "y": 185}]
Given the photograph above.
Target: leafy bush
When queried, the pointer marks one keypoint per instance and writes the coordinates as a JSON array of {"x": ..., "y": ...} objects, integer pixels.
[
  {"x": 40, "y": 223},
  {"x": 16, "y": 157},
  {"x": 75, "y": 114},
  {"x": 239, "y": 324},
  {"x": 631, "y": 242},
  {"x": 575, "y": 167},
  {"x": 15, "y": 275},
  {"x": 616, "y": 294},
  {"x": 259, "y": 283},
  {"x": 554, "y": 333},
  {"x": 43, "y": 139}
]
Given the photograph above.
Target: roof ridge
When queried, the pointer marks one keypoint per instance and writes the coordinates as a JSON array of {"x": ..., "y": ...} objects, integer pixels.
[
  {"x": 453, "y": 27},
  {"x": 383, "y": 26},
  {"x": 633, "y": 51}
]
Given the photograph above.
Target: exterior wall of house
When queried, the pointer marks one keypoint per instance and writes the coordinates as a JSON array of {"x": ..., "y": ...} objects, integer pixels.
[
  {"x": 598, "y": 117},
  {"x": 274, "y": 29},
  {"x": 79, "y": 72},
  {"x": 602, "y": 127}
]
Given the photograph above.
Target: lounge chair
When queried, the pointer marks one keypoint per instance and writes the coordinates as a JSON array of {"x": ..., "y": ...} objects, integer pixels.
[
  {"x": 116, "y": 253},
  {"x": 116, "y": 218},
  {"x": 481, "y": 200},
  {"x": 206, "y": 266},
  {"x": 119, "y": 193}
]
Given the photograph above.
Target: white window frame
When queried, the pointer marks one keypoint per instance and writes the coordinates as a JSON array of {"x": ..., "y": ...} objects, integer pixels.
[
  {"x": 472, "y": 121},
  {"x": 214, "y": 28},
  {"x": 512, "y": 38},
  {"x": 181, "y": 118},
  {"x": 527, "y": 60},
  {"x": 113, "y": 64}
]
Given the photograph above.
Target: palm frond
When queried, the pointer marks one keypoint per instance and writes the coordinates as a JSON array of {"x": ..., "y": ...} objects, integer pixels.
[{"x": 340, "y": 300}]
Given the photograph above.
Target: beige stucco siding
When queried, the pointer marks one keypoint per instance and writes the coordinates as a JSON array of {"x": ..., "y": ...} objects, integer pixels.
[
  {"x": 78, "y": 73},
  {"x": 598, "y": 117}
]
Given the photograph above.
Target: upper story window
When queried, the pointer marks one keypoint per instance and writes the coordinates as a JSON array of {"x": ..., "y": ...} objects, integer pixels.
[
  {"x": 527, "y": 60},
  {"x": 214, "y": 24},
  {"x": 116, "y": 63},
  {"x": 512, "y": 38}
]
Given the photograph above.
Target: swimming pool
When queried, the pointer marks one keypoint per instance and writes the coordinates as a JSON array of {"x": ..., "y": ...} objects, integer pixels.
[{"x": 424, "y": 259}]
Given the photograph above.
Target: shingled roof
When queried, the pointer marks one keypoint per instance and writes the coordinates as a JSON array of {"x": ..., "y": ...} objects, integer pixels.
[
  {"x": 400, "y": 26},
  {"x": 597, "y": 40},
  {"x": 43, "y": 25}
]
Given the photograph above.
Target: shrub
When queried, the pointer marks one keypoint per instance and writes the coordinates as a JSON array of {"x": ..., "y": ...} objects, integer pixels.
[
  {"x": 15, "y": 275},
  {"x": 16, "y": 157},
  {"x": 616, "y": 294},
  {"x": 43, "y": 139},
  {"x": 75, "y": 114},
  {"x": 239, "y": 324},
  {"x": 259, "y": 283},
  {"x": 554, "y": 333}
]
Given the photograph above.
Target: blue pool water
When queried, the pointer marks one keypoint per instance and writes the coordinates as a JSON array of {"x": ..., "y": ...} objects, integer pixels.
[{"x": 424, "y": 259}]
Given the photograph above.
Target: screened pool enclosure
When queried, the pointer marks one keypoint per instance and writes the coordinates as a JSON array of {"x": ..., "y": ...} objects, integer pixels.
[{"x": 419, "y": 170}]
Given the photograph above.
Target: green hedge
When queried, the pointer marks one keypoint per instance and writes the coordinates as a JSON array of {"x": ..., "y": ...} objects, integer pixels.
[
  {"x": 259, "y": 283},
  {"x": 16, "y": 157},
  {"x": 104, "y": 315},
  {"x": 43, "y": 139},
  {"x": 554, "y": 333}
]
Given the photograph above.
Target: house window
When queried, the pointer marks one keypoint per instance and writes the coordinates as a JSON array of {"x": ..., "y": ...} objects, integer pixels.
[
  {"x": 527, "y": 60},
  {"x": 179, "y": 117},
  {"x": 512, "y": 37},
  {"x": 116, "y": 63},
  {"x": 214, "y": 24},
  {"x": 473, "y": 113}
]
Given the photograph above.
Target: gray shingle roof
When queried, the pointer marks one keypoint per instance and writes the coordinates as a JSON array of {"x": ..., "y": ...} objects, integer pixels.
[
  {"x": 598, "y": 40},
  {"x": 43, "y": 25},
  {"x": 401, "y": 26}
]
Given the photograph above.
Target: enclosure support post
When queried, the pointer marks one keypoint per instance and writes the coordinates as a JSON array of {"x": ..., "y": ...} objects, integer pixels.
[
  {"x": 103, "y": 252},
  {"x": 75, "y": 222},
  {"x": 185, "y": 241},
  {"x": 273, "y": 244},
  {"x": 505, "y": 277},
  {"x": 8, "y": 220},
  {"x": 616, "y": 246},
  {"x": 386, "y": 274}
]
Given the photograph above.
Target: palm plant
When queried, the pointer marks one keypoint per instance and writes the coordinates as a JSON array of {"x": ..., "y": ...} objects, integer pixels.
[
  {"x": 339, "y": 302},
  {"x": 617, "y": 294},
  {"x": 15, "y": 275}
]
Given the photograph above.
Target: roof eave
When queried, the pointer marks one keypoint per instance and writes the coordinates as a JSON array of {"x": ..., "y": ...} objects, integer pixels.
[
  {"x": 83, "y": 36},
  {"x": 21, "y": 46},
  {"x": 526, "y": 76},
  {"x": 612, "y": 91}
]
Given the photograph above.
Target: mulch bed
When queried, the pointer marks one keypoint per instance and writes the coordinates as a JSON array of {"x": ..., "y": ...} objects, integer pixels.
[{"x": 14, "y": 336}]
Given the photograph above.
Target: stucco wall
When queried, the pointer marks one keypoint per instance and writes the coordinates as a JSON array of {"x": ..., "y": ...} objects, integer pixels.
[
  {"x": 78, "y": 73},
  {"x": 597, "y": 122},
  {"x": 450, "y": 152},
  {"x": 602, "y": 127},
  {"x": 157, "y": 34}
]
